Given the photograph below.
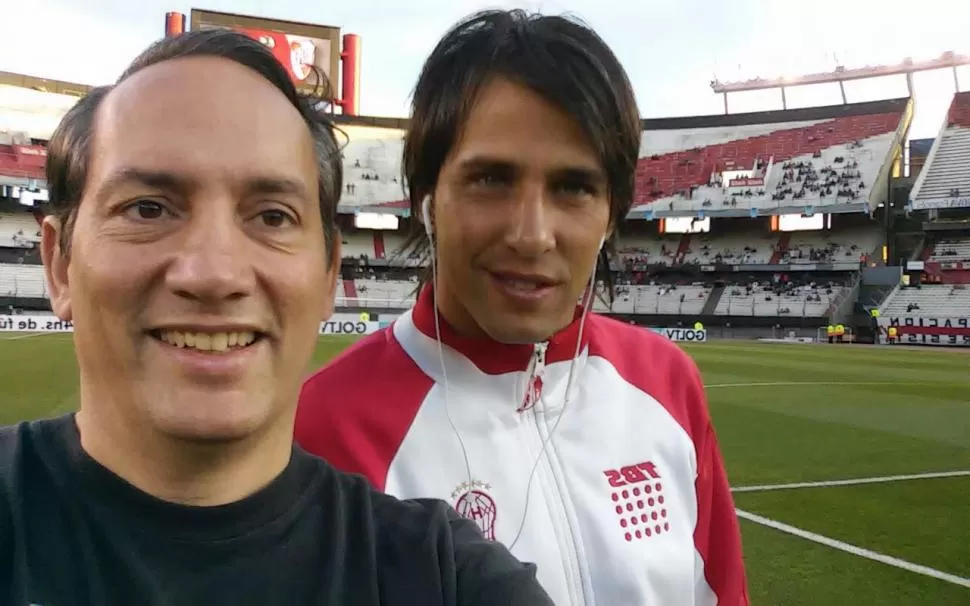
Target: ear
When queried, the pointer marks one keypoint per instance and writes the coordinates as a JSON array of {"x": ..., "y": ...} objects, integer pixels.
[
  {"x": 56, "y": 265},
  {"x": 333, "y": 275}
]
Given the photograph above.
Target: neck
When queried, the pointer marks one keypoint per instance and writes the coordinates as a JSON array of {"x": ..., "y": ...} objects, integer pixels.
[
  {"x": 487, "y": 354},
  {"x": 179, "y": 471},
  {"x": 453, "y": 313}
]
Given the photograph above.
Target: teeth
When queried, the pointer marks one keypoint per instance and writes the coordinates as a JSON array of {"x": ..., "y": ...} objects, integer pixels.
[
  {"x": 522, "y": 285},
  {"x": 216, "y": 342}
]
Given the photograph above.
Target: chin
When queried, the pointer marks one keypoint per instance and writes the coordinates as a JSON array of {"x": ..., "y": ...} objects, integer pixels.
[
  {"x": 206, "y": 432},
  {"x": 521, "y": 331},
  {"x": 210, "y": 418}
]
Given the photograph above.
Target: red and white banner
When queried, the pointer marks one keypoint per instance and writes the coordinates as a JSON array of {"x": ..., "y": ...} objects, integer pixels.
[
  {"x": 928, "y": 330},
  {"x": 748, "y": 182}
]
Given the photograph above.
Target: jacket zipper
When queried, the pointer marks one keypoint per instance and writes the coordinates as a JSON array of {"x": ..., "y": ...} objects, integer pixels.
[
  {"x": 533, "y": 393},
  {"x": 533, "y": 388},
  {"x": 571, "y": 531}
]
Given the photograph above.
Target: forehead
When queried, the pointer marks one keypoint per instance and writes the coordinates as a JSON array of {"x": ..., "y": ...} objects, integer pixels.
[
  {"x": 511, "y": 123},
  {"x": 202, "y": 117}
]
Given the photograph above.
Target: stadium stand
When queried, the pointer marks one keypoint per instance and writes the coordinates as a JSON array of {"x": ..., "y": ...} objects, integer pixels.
[
  {"x": 731, "y": 249},
  {"x": 730, "y": 164},
  {"x": 380, "y": 293},
  {"x": 932, "y": 301},
  {"x": 372, "y": 164},
  {"x": 813, "y": 247},
  {"x": 946, "y": 175},
  {"x": 662, "y": 299},
  {"x": 20, "y": 160},
  {"x": 18, "y": 230},
  {"x": 769, "y": 298},
  {"x": 647, "y": 250},
  {"x": 357, "y": 244},
  {"x": 951, "y": 250},
  {"x": 750, "y": 222},
  {"x": 822, "y": 157},
  {"x": 25, "y": 281}
]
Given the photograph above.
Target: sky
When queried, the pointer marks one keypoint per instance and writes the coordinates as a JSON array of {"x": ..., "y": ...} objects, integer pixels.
[{"x": 671, "y": 49}]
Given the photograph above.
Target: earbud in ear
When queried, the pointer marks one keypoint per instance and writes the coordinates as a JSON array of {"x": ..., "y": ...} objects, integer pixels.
[{"x": 426, "y": 214}]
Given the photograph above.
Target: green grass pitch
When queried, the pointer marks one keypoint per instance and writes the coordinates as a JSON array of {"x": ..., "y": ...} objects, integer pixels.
[{"x": 784, "y": 414}]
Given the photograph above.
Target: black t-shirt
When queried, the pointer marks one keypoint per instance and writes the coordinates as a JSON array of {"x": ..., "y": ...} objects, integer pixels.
[{"x": 72, "y": 533}]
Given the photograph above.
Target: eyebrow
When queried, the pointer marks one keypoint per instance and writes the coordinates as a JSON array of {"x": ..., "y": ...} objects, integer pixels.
[
  {"x": 137, "y": 176},
  {"x": 586, "y": 175},
  {"x": 276, "y": 185},
  {"x": 571, "y": 173},
  {"x": 168, "y": 181}
]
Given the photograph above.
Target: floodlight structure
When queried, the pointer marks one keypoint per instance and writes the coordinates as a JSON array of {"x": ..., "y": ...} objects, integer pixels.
[{"x": 841, "y": 75}]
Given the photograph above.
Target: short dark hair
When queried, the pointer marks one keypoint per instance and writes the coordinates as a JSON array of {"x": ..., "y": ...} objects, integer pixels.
[
  {"x": 557, "y": 57},
  {"x": 69, "y": 149}
]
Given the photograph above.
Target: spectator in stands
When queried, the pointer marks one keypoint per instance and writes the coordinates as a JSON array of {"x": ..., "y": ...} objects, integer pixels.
[
  {"x": 192, "y": 244},
  {"x": 497, "y": 388}
]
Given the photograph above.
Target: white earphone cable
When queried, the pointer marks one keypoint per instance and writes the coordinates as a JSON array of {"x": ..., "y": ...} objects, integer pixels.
[
  {"x": 426, "y": 216},
  {"x": 587, "y": 306}
]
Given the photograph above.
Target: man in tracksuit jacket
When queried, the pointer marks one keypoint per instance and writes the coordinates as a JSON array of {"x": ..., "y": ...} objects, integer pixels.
[{"x": 582, "y": 443}]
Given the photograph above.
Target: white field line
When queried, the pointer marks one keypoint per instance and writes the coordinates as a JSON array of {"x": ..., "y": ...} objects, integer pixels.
[
  {"x": 29, "y": 335},
  {"x": 808, "y": 383},
  {"x": 854, "y": 481},
  {"x": 854, "y": 550}
]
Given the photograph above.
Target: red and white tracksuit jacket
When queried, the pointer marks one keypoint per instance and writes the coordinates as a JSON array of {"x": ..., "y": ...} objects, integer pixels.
[{"x": 629, "y": 504}]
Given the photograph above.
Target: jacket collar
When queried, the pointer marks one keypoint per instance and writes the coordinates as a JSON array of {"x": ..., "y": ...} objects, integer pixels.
[{"x": 490, "y": 356}]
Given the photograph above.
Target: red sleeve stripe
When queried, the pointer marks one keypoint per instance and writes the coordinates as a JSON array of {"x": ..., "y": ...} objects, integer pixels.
[{"x": 357, "y": 410}]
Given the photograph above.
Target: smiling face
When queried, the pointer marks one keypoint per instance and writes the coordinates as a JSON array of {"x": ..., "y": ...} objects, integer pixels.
[
  {"x": 520, "y": 208},
  {"x": 198, "y": 271}
]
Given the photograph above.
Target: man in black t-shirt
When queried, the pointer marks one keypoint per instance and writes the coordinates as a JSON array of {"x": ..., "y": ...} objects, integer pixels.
[{"x": 192, "y": 243}]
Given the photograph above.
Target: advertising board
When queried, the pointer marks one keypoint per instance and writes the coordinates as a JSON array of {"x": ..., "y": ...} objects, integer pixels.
[
  {"x": 682, "y": 335},
  {"x": 307, "y": 51},
  {"x": 929, "y": 330},
  {"x": 339, "y": 324}
]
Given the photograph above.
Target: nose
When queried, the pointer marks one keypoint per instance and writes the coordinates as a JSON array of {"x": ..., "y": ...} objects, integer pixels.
[
  {"x": 211, "y": 264},
  {"x": 531, "y": 232}
]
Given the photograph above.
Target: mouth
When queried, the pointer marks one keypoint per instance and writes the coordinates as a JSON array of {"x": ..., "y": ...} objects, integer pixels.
[
  {"x": 523, "y": 287},
  {"x": 209, "y": 342}
]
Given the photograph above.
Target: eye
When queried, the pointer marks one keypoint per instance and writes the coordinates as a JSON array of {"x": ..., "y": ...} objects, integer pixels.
[
  {"x": 146, "y": 210},
  {"x": 576, "y": 188},
  {"x": 488, "y": 180},
  {"x": 276, "y": 218}
]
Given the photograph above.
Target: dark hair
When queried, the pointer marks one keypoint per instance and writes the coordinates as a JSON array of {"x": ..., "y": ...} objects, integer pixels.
[
  {"x": 69, "y": 149},
  {"x": 559, "y": 58}
]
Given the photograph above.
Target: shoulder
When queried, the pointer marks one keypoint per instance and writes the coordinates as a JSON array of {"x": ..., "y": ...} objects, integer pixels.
[
  {"x": 17, "y": 442},
  {"x": 636, "y": 348},
  {"x": 422, "y": 544},
  {"x": 10, "y": 447},
  {"x": 355, "y": 411},
  {"x": 12, "y": 438},
  {"x": 479, "y": 572},
  {"x": 656, "y": 366},
  {"x": 20, "y": 465},
  {"x": 22, "y": 446},
  {"x": 354, "y": 368}
]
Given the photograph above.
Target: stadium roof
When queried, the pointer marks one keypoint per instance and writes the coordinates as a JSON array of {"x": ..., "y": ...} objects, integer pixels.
[{"x": 35, "y": 105}]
